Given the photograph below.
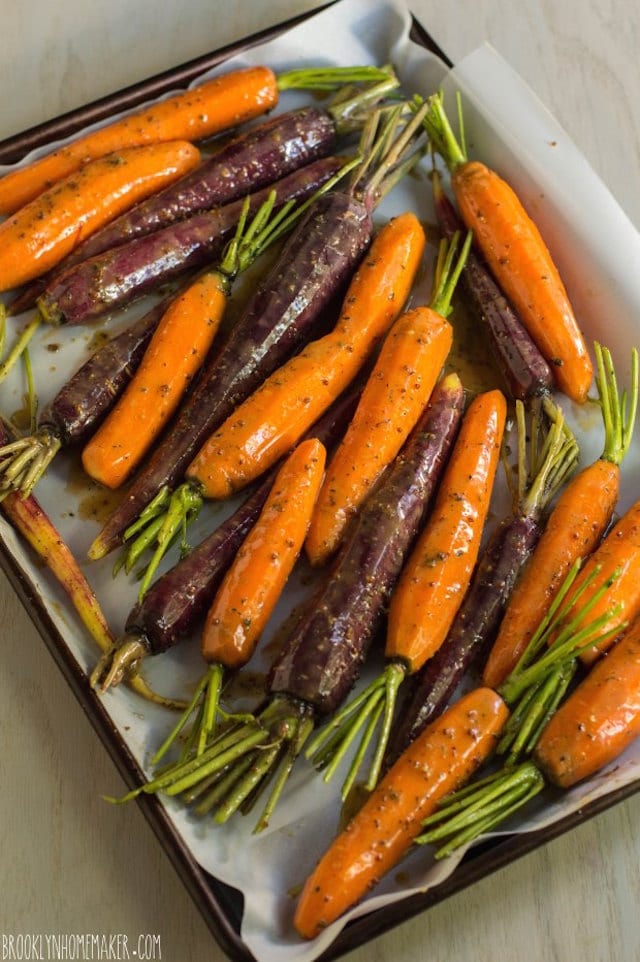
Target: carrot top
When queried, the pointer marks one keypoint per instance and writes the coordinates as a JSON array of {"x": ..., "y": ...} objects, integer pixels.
[
  {"x": 453, "y": 151},
  {"x": 618, "y": 409}
]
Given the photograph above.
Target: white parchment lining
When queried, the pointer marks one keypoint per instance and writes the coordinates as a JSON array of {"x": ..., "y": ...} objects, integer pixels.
[{"x": 585, "y": 228}]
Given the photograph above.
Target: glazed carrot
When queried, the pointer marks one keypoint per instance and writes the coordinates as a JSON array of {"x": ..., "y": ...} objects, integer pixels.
[
  {"x": 574, "y": 528},
  {"x": 429, "y": 592},
  {"x": 44, "y": 231},
  {"x": 397, "y": 390},
  {"x": 443, "y": 757},
  {"x": 176, "y": 352},
  {"x": 518, "y": 257},
  {"x": 598, "y": 720},
  {"x": 178, "y": 349},
  {"x": 437, "y": 574},
  {"x": 272, "y": 419},
  {"x": 249, "y": 591},
  {"x": 210, "y": 108},
  {"x": 255, "y": 580}
]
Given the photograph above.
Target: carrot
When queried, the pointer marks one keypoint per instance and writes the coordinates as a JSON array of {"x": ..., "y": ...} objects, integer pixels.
[
  {"x": 598, "y": 720},
  {"x": 617, "y": 556},
  {"x": 30, "y": 520},
  {"x": 379, "y": 835},
  {"x": 46, "y": 230},
  {"x": 271, "y": 420},
  {"x": 397, "y": 390},
  {"x": 574, "y": 528},
  {"x": 216, "y": 105},
  {"x": 517, "y": 256},
  {"x": 178, "y": 349},
  {"x": 430, "y": 589},
  {"x": 436, "y": 576},
  {"x": 249, "y": 591},
  {"x": 255, "y": 580}
]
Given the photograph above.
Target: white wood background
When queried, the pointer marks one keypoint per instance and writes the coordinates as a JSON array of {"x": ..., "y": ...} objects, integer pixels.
[{"x": 70, "y": 863}]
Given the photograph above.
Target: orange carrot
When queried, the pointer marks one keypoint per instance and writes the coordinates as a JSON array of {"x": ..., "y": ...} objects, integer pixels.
[
  {"x": 220, "y": 103},
  {"x": 396, "y": 392},
  {"x": 177, "y": 350},
  {"x": 574, "y": 528},
  {"x": 253, "y": 584},
  {"x": 518, "y": 257},
  {"x": 175, "y": 353},
  {"x": 43, "y": 232},
  {"x": 598, "y": 720},
  {"x": 248, "y": 594},
  {"x": 429, "y": 592},
  {"x": 273, "y": 418},
  {"x": 436, "y": 576},
  {"x": 441, "y": 759}
]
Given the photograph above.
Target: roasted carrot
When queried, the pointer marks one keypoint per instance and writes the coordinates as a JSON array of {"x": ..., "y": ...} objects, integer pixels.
[
  {"x": 245, "y": 600},
  {"x": 247, "y": 596},
  {"x": 547, "y": 454},
  {"x": 178, "y": 349},
  {"x": 34, "y": 525},
  {"x": 430, "y": 589},
  {"x": 379, "y": 835},
  {"x": 575, "y": 525},
  {"x": 397, "y": 390},
  {"x": 598, "y": 720},
  {"x": 437, "y": 573},
  {"x": 40, "y": 234},
  {"x": 271, "y": 420},
  {"x": 517, "y": 255}
]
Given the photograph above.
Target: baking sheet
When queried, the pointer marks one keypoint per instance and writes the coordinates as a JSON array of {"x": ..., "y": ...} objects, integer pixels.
[{"x": 509, "y": 128}]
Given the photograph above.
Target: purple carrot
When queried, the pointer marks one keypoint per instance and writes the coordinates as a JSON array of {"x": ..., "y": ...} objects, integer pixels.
[
  {"x": 79, "y": 406},
  {"x": 478, "y": 619},
  {"x": 253, "y": 160},
  {"x": 313, "y": 270},
  {"x": 111, "y": 280},
  {"x": 321, "y": 657},
  {"x": 177, "y": 602},
  {"x": 525, "y": 371}
]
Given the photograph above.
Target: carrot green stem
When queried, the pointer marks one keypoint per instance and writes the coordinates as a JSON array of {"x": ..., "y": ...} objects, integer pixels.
[
  {"x": 373, "y": 705},
  {"x": 182, "y": 508},
  {"x": 19, "y": 347},
  {"x": 443, "y": 140},
  {"x": 462, "y": 818},
  {"x": 329, "y": 78},
  {"x": 448, "y": 272},
  {"x": 618, "y": 409}
]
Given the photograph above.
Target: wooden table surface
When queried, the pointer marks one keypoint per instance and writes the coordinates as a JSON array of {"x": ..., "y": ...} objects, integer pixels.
[{"x": 69, "y": 863}]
